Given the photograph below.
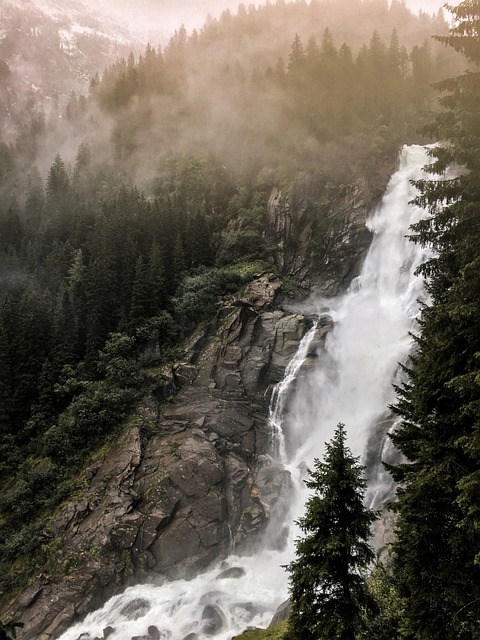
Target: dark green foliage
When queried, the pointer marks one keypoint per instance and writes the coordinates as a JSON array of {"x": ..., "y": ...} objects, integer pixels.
[
  {"x": 328, "y": 587},
  {"x": 24, "y": 337},
  {"x": 156, "y": 279},
  {"x": 198, "y": 294},
  {"x": 101, "y": 405},
  {"x": 140, "y": 294},
  {"x": 386, "y": 623},
  {"x": 436, "y": 555},
  {"x": 201, "y": 243},
  {"x": 57, "y": 183},
  {"x": 11, "y": 231}
]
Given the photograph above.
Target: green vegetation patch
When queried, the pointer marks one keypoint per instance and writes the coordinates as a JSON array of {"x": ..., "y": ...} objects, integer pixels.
[{"x": 272, "y": 633}]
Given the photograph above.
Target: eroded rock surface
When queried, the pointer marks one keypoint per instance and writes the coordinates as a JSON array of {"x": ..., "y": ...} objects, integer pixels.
[
  {"x": 319, "y": 232},
  {"x": 183, "y": 478}
]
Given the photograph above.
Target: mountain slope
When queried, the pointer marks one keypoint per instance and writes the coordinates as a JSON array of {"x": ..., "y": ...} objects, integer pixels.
[{"x": 47, "y": 50}]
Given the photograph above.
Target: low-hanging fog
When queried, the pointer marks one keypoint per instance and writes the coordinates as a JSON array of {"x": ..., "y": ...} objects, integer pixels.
[
  {"x": 224, "y": 93},
  {"x": 167, "y": 15}
]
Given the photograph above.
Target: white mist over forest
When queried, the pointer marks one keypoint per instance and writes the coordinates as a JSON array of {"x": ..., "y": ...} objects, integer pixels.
[{"x": 164, "y": 16}]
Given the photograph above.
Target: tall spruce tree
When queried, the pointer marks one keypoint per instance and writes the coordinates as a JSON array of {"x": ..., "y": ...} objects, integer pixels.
[
  {"x": 327, "y": 579},
  {"x": 437, "y": 550}
]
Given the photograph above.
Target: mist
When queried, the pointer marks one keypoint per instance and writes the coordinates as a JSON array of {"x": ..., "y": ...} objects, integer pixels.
[
  {"x": 158, "y": 19},
  {"x": 428, "y": 6},
  {"x": 226, "y": 98}
]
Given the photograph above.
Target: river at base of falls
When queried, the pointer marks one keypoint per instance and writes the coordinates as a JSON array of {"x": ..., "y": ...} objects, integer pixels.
[{"x": 352, "y": 383}]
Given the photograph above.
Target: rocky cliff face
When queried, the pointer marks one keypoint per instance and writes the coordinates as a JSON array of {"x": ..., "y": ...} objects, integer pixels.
[
  {"x": 188, "y": 477},
  {"x": 328, "y": 237},
  {"x": 191, "y": 474}
]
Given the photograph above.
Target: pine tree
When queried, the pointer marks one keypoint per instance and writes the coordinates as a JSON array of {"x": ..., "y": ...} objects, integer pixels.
[
  {"x": 296, "y": 58},
  {"x": 140, "y": 301},
  {"x": 178, "y": 263},
  {"x": 35, "y": 198},
  {"x": 327, "y": 579},
  {"x": 57, "y": 182},
  {"x": 201, "y": 241},
  {"x": 436, "y": 553},
  {"x": 156, "y": 278},
  {"x": 100, "y": 303}
]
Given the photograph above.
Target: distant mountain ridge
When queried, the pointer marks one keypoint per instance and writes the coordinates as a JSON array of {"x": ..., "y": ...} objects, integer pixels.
[
  {"x": 55, "y": 47},
  {"x": 49, "y": 49}
]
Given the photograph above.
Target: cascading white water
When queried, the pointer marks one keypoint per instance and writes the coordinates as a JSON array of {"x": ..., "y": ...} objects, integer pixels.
[
  {"x": 281, "y": 395},
  {"x": 352, "y": 383},
  {"x": 373, "y": 322},
  {"x": 373, "y": 325}
]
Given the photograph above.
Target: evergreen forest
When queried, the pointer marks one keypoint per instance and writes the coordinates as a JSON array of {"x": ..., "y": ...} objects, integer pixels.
[{"x": 131, "y": 205}]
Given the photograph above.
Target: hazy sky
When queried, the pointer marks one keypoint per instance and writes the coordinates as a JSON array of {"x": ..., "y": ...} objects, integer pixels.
[
  {"x": 166, "y": 15},
  {"x": 197, "y": 10},
  {"x": 426, "y": 5}
]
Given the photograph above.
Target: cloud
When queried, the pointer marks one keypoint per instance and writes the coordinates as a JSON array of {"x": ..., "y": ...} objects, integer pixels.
[
  {"x": 428, "y": 6},
  {"x": 158, "y": 19}
]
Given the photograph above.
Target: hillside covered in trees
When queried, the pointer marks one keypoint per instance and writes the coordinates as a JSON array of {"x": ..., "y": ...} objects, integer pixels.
[{"x": 126, "y": 214}]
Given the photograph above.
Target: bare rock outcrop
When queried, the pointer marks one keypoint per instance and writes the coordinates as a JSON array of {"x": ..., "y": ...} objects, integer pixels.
[
  {"x": 185, "y": 478},
  {"x": 321, "y": 229}
]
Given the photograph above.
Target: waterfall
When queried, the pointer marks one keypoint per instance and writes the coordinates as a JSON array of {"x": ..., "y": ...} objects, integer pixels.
[
  {"x": 352, "y": 383},
  {"x": 373, "y": 325}
]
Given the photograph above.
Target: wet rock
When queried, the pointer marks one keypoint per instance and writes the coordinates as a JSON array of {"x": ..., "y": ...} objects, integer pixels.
[
  {"x": 136, "y": 609},
  {"x": 234, "y": 572},
  {"x": 154, "y": 632},
  {"x": 261, "y": 293},
  {"x": 184, "y": 374},
  {"x": 168, "y": 551},
  {"x": 253, "y": 518},
  {"x": 289, "y": 331},
  {"x": 108, "y": 632},
  {"x": 213, "y": 620},
  {"x": 191, "y": 636},
  {"x": 272, "y": 482}
]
